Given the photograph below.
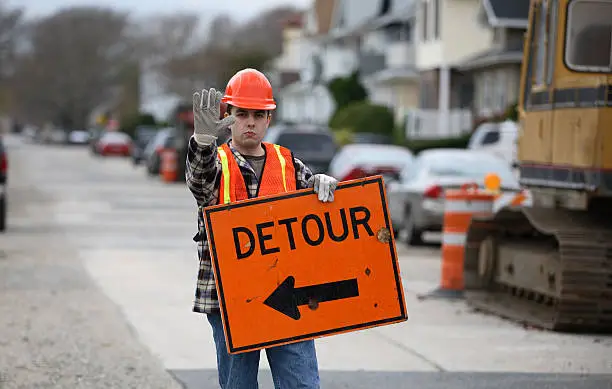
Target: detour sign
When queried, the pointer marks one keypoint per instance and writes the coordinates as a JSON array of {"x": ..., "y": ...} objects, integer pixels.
[{"x": 289, "y": 267}]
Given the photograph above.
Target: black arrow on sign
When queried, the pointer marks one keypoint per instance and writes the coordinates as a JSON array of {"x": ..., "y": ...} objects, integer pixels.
[{"x": 286, "y": 298}]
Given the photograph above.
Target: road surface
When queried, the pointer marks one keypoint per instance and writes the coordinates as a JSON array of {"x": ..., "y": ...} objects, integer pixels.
[{"x": 97, "y": 277}]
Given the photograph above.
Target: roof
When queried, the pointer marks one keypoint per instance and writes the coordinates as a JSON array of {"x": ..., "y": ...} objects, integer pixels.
[
  {"x": 393, "y": 74},
  {"x": 491, "y": 57},
  {"x": 399, "y": 11},
  {"x": 351, "y": 15},
  {"x": 354, "y": 17},
  {"x": 507, "y": 13}
]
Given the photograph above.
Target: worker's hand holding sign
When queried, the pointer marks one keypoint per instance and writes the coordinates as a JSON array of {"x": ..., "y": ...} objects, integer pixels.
[
  {"x": 293, "y": 266},
  {"x": 325, "y": 186},
  {"x": 206, "y": 113}
]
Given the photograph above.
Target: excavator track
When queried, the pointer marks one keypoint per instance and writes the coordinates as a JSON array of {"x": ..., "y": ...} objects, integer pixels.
[{"x": 546, "y": 268}]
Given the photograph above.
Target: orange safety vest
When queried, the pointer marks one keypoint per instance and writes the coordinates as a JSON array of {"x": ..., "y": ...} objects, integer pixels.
[{"x": 278, "y": 174}]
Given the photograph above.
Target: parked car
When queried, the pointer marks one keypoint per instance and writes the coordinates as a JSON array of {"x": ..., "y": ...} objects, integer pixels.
[
  {"x": 416, "y": 199},
  {"x": 142, "y": 137},
  {"x": 313, "y": 145},
  {"x": 114, "y": 143},
  {"x": 3, "y": 180},
  {"x": 362, "y": 160},
  {"x": 78, "y": 137},
  {"x": 499, "y": 139},
  {"x": 164, "y": 138}
]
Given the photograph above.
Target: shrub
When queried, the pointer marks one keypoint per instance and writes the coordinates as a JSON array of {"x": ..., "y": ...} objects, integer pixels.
[{"x": 363, "y": 116}]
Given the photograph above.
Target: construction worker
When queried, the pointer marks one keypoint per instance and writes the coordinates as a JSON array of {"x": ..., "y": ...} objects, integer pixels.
[{"x": 244, "y": 157}]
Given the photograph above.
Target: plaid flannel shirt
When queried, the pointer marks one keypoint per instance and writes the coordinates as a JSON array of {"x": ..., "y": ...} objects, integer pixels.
[{"x": 203, "y": 174}]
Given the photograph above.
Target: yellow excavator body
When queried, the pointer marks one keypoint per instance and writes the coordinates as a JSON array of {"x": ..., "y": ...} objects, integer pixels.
[{"x": 550, "y": 265}]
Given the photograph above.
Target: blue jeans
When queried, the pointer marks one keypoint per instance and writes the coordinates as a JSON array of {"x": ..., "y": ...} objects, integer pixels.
[{"x": 293, "y": 366}]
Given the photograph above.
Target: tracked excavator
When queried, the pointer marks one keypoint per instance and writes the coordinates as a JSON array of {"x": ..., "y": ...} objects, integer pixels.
[{"x": 550, "y": 265}]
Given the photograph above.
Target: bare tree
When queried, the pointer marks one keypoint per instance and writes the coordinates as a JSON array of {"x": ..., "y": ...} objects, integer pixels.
[
  {"x": 10, "y": 24},
  {"x": 75, "y": 58},
  {"x": 160, "y": 40},
  {"x": 265, "y": 31},
  {"x": 229, "y": 48},
  {"x": 165, "y": 36},
  {"x": 221, "y": 31}
]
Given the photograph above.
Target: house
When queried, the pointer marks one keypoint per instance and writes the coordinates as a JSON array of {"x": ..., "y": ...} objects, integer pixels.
[
  {"x": 305, "y": 99},
  {"x": 496, "y": 71},
  {"x": 447, "y": 34},
  {"x": 342, "y": 52},
  {"x": 285, "y": 69},
  {"x": 372, "y": 37},
  {"x": 387, "y": 57}
]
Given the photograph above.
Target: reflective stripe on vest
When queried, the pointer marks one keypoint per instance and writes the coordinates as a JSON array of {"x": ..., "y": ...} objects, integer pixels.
[
  {"x": 233, "y": 185},
  {"x": 283, "y": 165},
  {"x": 226, "y": 175}
]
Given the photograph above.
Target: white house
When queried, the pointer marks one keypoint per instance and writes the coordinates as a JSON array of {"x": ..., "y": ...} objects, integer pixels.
[
  {"x": 448, "y": 33},
  {"x": 343, "y": 36},
  {"x": 390, "y": 37},
  {"x": 496, "y": 71},
  {"x": 306, "y": 99}
]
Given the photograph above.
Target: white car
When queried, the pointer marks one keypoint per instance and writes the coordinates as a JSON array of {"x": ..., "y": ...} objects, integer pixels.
[
  {"x": 499, "y": 139},
  {"x": 361, "y": 160}
]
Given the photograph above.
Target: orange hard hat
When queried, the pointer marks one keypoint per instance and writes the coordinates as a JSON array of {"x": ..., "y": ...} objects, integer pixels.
[{"x": 249, "y": 89}]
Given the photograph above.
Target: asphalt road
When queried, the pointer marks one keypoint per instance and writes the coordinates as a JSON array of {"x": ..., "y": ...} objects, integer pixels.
[{"x": 97, "y": 273}]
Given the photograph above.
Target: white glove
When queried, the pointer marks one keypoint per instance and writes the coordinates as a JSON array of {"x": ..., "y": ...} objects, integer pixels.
[
  {"x": 325, "y": 186},
  {"x": 206, "y": 113}
]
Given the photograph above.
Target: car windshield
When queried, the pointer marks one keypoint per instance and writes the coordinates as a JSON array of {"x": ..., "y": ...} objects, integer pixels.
[
  {"x": 299, "y": 141},
  {"x": 471, "y": 166}
]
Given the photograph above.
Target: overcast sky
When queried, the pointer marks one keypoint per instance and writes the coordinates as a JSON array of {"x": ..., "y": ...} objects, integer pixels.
[{"x": 241, "y": 9}]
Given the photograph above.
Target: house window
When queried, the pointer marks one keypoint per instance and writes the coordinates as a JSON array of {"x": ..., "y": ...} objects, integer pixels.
[
  {"x": 487, "y": 95},
  {"x": 514, "y": 39},
  {"x": 436, "y": 23},
  {"x": 498, "y": 36},
  {"x": 589, "y": 36},
  {"x": 501, "y": 91},
  {"x": 426, "y": 94},
  {"x": 479, "y": 84},
  {"x": 466, "y": 94},
  {"x": 386, "y": 6},
  {"x": 424, "y": 20},
  {"x": 406, "y": 32}
]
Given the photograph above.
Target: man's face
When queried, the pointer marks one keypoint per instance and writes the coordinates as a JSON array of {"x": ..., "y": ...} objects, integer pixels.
[{"x": 250, "y": 126}]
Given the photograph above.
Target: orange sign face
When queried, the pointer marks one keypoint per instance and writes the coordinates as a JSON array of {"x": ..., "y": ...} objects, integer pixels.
[{"x": 289, "y": 267}]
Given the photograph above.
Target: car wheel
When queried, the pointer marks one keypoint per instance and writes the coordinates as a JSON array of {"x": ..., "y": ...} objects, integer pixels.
[
  {"x": 2, "y": 213},
  {"x": 413, "y": 235}
]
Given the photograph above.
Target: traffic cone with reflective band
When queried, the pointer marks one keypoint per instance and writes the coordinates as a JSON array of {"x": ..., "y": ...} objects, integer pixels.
[
  {"x": 168, "y": 166},
  {"x": 459, "y": 208}
]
